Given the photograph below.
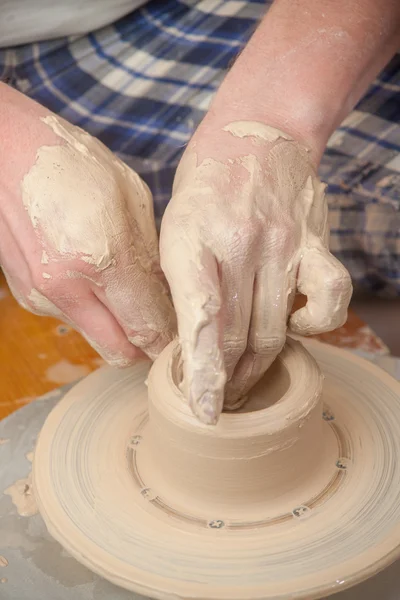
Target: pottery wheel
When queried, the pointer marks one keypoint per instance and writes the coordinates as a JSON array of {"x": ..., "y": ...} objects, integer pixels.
[{"x": 109, "y": 495}]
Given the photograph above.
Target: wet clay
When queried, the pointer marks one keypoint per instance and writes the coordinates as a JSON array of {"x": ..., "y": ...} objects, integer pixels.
[
  {"x": 223, "y": 468},
  {"x": 88, "y": 180},
  {"x": 3, "y": 561},
  {"x": 264, "y": 505},
  {"x": 22, "y": 496},
  {"x": 65, "y": 372}
]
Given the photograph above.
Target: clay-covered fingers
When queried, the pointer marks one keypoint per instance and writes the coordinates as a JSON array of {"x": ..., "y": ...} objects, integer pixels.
[
  {"x": 75, "y": 303},
  {"x": 101, "y": 329},
  {"x": 236, "y": 283},
  {"x": 266, "y": 334},
  {"x": 192, "y": 273},
  {"x": 139, "y": 302},
  {"x": 327, "y": 285}
]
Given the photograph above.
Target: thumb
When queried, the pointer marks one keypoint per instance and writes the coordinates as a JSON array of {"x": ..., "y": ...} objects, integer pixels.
[{"x": 327, "y": 285}]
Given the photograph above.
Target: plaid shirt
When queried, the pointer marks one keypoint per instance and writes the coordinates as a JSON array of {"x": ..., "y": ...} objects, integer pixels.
[{"x": 144, "y": 83}]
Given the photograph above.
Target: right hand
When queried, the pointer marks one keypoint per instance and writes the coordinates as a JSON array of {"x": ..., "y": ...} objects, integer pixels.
[
  {"x": 245, "y": 229},
  {"x": 77, "y": 234}
]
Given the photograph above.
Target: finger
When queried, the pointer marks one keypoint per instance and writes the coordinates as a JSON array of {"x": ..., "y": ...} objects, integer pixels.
[
  {"x": 192, "y": 274},
  {"x": 139, "y": 202},
  {"x": 14, "y": 265},
  {"x": 134, "y": 289},
  {"x": 237, "y": 294},
  {"x": 84, "y": 312},
  {"x": 139, "y": 301},
  {"x": 99, "y": 327},
  {"x": 327, "y": 285},
  {"x": 267, "y": 333},
  {"x": 16, "y": 291}
]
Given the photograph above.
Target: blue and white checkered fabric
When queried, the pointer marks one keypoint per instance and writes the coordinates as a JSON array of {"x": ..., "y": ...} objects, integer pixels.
[{"x": 143, "y": 84}]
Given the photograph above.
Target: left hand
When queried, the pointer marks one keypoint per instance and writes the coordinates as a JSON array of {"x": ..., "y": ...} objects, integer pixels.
[{"x": 77, "y": 234}]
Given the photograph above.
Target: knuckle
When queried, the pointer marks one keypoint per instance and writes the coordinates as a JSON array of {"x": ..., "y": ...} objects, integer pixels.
[
  {"x": 150, "y": 342},
  {"x": 47, "y": 288},
  {"x": 267, "y": 345},
  {"x": 234, "y": 348},
  {"x": 281, "y": 239},
  {"x": 238, "y": 242},
  {"x": 245, "y": 232},
  {"x": 337, "y": 279},
  {"x": 50, "y": 297},
  {"x": 143, "y": 338},
  {"x": 39, "y": 283}
]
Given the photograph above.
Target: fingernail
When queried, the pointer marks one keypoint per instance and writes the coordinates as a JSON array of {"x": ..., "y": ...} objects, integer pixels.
[{"x": 206, "y": 408}]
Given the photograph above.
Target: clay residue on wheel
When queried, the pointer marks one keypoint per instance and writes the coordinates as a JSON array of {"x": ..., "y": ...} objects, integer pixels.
[{"x": 22, "y": 496}]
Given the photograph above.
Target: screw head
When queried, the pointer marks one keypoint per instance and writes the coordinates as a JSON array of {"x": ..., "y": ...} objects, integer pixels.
[
  {"x": 216, "y": 524},
  {"x": 327, "y": 415},
  {"x": 135, "y": 440},
  {"x": 148, "y": 494},
  {"x": 300, "y": 511},
  {"x": 342, "y": 463}
]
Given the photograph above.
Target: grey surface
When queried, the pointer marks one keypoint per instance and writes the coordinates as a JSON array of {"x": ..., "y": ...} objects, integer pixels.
[{"x": 39, "y": 569}]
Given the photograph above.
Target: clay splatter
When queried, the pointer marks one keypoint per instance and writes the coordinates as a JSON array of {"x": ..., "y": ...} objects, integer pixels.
[
  {"x": 22, "y": 496},
  {"x": 29, "y": 456},
  {"x": 66, "y": 372},
  {"x": 3, "y": 580},
  {"x": 3, "y": 561},
  {"x": 4, "y": 441},
  {"x": 24, "y": 400}
]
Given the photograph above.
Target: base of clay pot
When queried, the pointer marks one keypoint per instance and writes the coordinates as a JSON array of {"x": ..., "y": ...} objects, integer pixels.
[
  {"x": 107, "y": 500},
  {"x": 255, "y": 466}
]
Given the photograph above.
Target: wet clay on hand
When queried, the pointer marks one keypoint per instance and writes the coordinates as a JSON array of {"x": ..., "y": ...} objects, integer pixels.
[
  {"x": 245, "y": 229},
  {"x": 78, "y": 239}
]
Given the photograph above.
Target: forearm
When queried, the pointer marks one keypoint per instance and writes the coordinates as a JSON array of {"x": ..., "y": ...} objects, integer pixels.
[
  {"x": 22, "y": 134},
  {"x": 308, "y": 64}
]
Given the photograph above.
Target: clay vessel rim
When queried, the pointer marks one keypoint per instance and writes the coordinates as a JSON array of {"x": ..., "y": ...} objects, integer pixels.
[{"x": 303, "y": 372}]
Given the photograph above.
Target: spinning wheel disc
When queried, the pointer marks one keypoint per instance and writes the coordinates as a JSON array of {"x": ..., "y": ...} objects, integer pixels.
[{"x": 97, "y": 504}]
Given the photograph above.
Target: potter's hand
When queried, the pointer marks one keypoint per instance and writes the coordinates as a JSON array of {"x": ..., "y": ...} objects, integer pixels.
[
  {"x": 77, "y": 234},
  {"x": 246, "y": 228}
]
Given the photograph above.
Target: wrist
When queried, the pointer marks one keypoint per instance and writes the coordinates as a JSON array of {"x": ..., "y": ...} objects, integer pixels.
[
  {"x": 243, "y": 148},
  {"x": 303, "y": 71},
  {"x": 308, "y": 125},
  {"x": 22, "y": 134}
]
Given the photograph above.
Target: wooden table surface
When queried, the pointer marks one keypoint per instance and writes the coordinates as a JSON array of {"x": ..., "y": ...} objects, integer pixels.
[{"x": 38, "y": 354}]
